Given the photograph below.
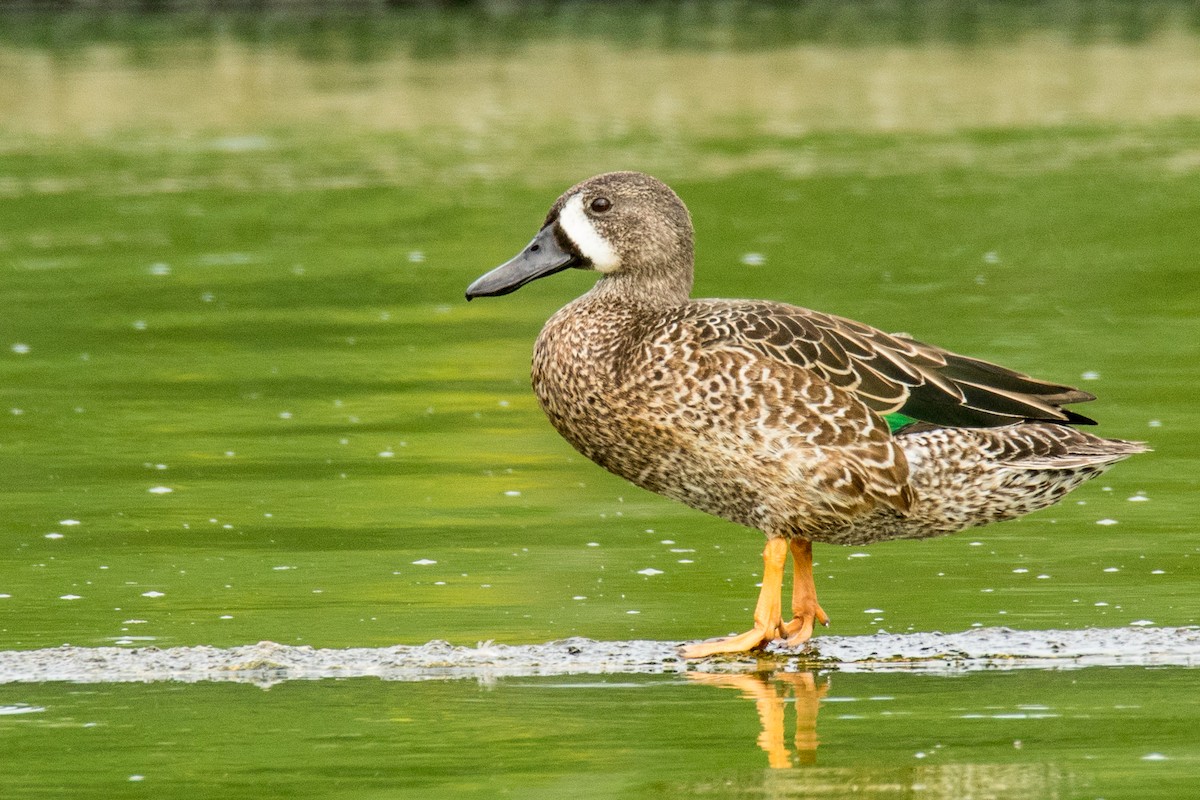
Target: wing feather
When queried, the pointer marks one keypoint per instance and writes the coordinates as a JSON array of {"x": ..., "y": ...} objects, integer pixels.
[{"x": 888, "y": 372}]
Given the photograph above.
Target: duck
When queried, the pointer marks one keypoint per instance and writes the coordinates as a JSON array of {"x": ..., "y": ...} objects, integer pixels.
[{"x": 804, "y": 425}]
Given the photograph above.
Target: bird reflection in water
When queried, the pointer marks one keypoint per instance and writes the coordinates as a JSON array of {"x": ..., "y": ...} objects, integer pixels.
[{"x": 771, "y": 692}]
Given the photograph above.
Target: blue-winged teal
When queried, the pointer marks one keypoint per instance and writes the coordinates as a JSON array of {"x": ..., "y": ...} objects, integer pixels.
[{"x": 773, "y": 416}]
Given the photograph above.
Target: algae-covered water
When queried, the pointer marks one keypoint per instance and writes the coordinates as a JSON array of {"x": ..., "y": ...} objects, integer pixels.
[{"x": 242, "y": 399}]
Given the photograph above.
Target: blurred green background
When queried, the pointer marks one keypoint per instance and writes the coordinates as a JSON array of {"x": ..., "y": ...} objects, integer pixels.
[{"x": 243, "y": 399}]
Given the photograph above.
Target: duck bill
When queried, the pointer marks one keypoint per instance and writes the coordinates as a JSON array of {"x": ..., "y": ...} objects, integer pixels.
[{"x": 543, "y": 256}]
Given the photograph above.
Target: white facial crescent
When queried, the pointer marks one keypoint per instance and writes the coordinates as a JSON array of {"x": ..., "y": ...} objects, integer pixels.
[{"x": 574, "y": 222}]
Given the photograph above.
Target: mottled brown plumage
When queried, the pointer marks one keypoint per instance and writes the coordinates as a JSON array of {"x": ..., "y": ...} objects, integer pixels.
[{"x": 770, "y": 415}]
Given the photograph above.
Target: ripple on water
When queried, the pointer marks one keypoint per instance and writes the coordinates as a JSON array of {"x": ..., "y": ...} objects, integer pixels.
[{"x": 981, "y": 649}]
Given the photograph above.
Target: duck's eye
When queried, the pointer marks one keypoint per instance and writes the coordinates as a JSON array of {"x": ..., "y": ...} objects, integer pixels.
[{"x": 601, "y": 204}]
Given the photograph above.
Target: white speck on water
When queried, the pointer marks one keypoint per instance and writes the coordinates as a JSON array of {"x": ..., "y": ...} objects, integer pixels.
[
  {"x": 1106, "y": 521},
  {"x": 1020, "y": 570},
  {"x": 512, "y": 493},
  {"x": 160, "y": 490},
  {"x": 1138, "y": 498},
  {"x": 633, "y": 612},
  {"x": 16, "y": 412},
  {"x": 649, "y": 530},
  {"x": 136, "y": 778},
  {"x": 20, "y": 709},
  {"x": 416, "y": 257},
  {"x": 68, "y": 522},
  {"x": 1112, "y": 569},
  {"x": 386, "y": 453},
  {"x": 872, "y": 610},
  {"x": 668, "y": 541},
  {"x": 159, "y": 269},
  {"x": 685, "y": 561},
  {"x": 580, "y": 597},
  {"x": 593, "y": 544},
  {"x": 1101, "y": 604},
  {"x": 70, "y": 597},
  {"x": 683, "y": 550},
  {"x": 991, "y": 257},
  {"x": 133, "y": 622},
  {"x": 139, "y": 324},
  {"x": 918, "y": 755},
  {"x": 503, "y": 403},
  {"x": 281, "y": 568},
  {"x": 5, "y": 596},
  {"x": 975, "y": 544},
  {"x": 753, "y": 259},
  {"x": 435, "y": 583},
  {"x": 1043, "y": 577},
  {"x": 1154, "y": 757},
  {"x": 20, "y": 348},
  {"x": 859, "y": 555},
  {"x": 650, "y": 571},
  {"x": 1155, "y": 423},
  {"x": 54, "y": 536},
  {"x": 1091, "y": 375},
  {"x": 236, "y": 144},
  {"x": 152, "y": 594},
  {"x": 225, "y": 616},
  {"x": 424, "y": 562},
  {"x": 1157, "y": 572},
  {"x": 1142, "y": 623},
  {"x": 285, "y": 415}
]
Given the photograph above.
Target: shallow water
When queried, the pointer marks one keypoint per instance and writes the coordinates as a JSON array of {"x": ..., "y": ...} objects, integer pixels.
[
  {"x": 243, "y": 398},
  {"x": 1093, "y": 733}
]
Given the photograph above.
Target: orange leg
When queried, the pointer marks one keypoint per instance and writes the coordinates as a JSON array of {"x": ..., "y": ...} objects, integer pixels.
[
  {"x": 805, "y": 609},
  {"x": 768, "y": 616}
]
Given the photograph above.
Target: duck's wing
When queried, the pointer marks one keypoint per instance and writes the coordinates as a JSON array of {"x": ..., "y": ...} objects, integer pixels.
[{"x": 890, "y": 373}]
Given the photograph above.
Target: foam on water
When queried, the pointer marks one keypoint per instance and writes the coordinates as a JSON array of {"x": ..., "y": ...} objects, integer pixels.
[{"x": 268, "y": 663}]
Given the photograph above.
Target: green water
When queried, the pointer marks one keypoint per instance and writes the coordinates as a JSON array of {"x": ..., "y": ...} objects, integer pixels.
[
  {"x": 1092, "y": 733},
  {"x": 232, "y": 267}
]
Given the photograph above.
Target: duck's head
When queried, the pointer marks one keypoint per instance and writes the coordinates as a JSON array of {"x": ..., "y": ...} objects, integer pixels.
[{"x": 627, "y": 226}]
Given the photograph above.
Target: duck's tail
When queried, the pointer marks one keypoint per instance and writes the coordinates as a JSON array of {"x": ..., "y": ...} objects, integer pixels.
[{"x": 964, "y": 477}]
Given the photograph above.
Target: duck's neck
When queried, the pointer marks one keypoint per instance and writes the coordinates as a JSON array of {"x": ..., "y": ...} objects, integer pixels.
[{"x": 644, "y": 290}]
